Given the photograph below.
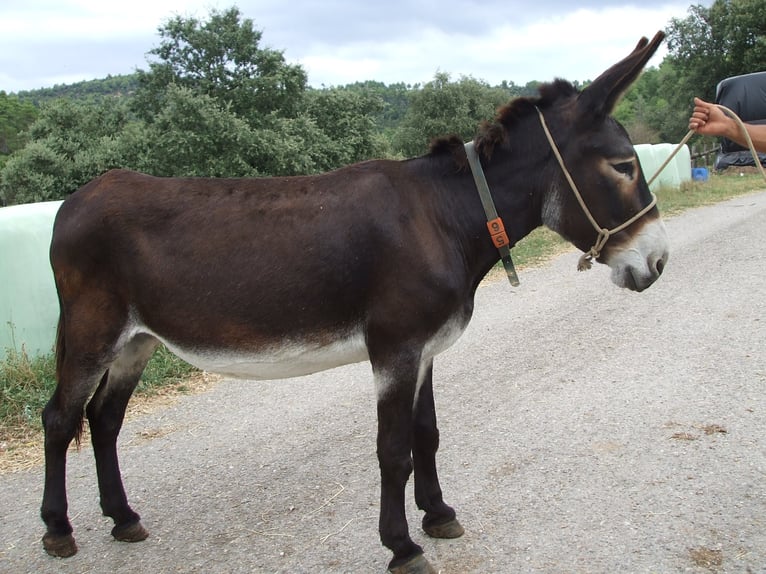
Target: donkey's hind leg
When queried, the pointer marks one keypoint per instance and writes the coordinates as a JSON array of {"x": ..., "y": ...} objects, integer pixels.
[
  {"x": 62, "y": 422},
  {"x": 439, "y": 520},
  {"x": 106, "y": 411}
]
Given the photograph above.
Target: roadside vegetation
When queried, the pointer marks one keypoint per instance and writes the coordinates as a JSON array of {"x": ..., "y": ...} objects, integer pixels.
[{"x": 26, "y": 384}]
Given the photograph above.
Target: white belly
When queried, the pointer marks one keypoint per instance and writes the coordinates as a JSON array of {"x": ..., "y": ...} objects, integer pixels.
[{"x": 280, "y": 362}]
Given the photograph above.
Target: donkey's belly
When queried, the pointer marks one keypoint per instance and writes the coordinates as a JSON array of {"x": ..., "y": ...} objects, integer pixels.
[
  {"x": 279, "y": 361},
  {"x": 293, "y": 356}
]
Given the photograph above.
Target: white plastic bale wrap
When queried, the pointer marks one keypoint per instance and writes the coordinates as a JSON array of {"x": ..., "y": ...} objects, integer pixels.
[
  {"x": 28, "y": 304},
  {"x": 678, "y": 171}
]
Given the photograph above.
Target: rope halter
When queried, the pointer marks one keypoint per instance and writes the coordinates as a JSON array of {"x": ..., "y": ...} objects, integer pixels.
[{"x": 586, "y": 261}]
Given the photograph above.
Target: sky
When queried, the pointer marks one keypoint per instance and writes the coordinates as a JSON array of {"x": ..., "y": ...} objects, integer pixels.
[{"x": 48, "y": 42}]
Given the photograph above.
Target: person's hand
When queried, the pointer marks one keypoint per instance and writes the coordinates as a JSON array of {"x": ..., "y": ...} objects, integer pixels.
[{"x": 709, "y": 120}]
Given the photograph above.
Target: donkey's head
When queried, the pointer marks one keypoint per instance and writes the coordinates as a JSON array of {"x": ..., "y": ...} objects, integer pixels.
[{"x": 599, "y": 199}]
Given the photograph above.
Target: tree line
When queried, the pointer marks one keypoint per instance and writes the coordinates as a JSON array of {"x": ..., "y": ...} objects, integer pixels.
[{"x": 213, "y": 102}]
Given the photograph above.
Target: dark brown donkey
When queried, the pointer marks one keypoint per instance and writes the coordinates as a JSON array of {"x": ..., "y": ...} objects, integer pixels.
[{"x": 280, "y": 277}]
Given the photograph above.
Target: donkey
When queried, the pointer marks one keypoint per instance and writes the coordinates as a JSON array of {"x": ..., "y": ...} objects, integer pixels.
[{"x": 377, "y": 261}]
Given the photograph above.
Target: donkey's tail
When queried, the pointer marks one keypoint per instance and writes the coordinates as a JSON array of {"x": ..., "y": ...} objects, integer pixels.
[
  {"x": 60, "y": 345},
  {"x": 60, "y": 358}
]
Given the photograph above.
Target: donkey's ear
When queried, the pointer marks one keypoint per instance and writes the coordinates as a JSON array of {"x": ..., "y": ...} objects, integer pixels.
[{"x": 601, "y": 96}]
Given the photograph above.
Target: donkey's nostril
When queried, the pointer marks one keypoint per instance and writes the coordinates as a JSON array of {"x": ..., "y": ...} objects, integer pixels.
[{"x": 660, "y": 265}]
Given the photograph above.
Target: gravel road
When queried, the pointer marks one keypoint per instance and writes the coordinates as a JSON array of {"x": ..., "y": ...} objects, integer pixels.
[{"x": 585, "y": 429}]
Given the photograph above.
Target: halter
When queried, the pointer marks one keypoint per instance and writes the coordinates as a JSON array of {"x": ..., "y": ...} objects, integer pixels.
[{"x": 586, "y": 261}]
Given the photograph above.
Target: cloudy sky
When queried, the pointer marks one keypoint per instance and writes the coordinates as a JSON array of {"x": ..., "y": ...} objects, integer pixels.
[{"x": 45, "y": 42}]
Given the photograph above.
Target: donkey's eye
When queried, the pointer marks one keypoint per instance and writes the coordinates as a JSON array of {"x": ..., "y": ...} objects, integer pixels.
[{"x": 624, "y": 167}]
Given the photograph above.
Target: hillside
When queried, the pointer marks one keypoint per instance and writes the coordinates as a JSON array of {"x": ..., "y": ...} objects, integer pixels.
[{"x": 121, "y": 85}]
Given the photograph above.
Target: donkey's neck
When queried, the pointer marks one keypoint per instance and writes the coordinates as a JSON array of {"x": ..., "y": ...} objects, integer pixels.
[{"x": 512, "y": 184}]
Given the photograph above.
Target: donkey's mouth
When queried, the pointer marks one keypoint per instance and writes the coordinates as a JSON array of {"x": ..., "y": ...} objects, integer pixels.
[
  {"x": 639, "y": 263},
  {"x": 629, "y": 282},
  {"x": 638, "y": 278}
]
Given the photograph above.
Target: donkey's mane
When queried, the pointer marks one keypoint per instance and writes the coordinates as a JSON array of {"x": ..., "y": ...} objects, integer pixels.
[{"x": 494, "y": 133}]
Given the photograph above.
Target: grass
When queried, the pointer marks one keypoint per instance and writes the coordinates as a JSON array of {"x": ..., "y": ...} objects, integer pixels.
[
  {"x": 718, "y": 188},
  {"x": 25, "y": 386},
  {"x": 26, "y": 383},
  {"x": 164, "y": 369},
  {"x": 537, "y": 248}
]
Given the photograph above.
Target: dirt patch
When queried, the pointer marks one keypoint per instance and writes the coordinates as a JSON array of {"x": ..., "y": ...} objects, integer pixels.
[
  {"x": 714, "y": 429},
  {"x": 706, "y": 429},
  {"x": 706, "y": 558},
  {"x": 683, "y": 436}
]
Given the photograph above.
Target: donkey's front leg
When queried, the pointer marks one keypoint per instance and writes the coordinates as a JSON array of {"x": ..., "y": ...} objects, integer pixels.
[
  {"x": 439, "y": 520},
  {"x": 396, "y": 381}
]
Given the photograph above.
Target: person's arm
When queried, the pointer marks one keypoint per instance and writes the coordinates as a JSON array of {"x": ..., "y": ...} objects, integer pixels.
[{"x": 709, "y": 120}]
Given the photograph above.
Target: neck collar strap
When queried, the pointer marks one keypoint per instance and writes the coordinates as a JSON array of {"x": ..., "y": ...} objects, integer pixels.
[{"x": 494, "y": 222}]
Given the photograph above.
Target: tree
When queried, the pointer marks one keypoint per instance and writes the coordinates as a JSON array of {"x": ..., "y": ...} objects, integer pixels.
[
  {"x": 91, "y": 90},
  {"x": 70, "y": 142},
  {"x": 221, "y": 58},
  {"x": 443, "y": 107},
  {"x": 709, "y": 45},
  {"x": 225, "y": 78},
  {"x": 394, "y": 98},
  {"x": 192, "y": 135},
  {"x": 347, "y": 119},
  {"x": 643, "y": 108},
  {"x": 15, "y": 117}
]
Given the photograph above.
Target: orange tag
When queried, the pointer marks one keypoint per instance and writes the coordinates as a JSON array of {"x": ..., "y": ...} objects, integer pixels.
[{"x": 497, "y": 231}]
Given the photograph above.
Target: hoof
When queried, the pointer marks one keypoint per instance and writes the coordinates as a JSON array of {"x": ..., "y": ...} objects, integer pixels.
[
  {"x": 451, "y": 529},
  {"x": 132, "y": 532},
  {"x": 60, "y": 546},
  {"x": 417, "y": 565}
]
